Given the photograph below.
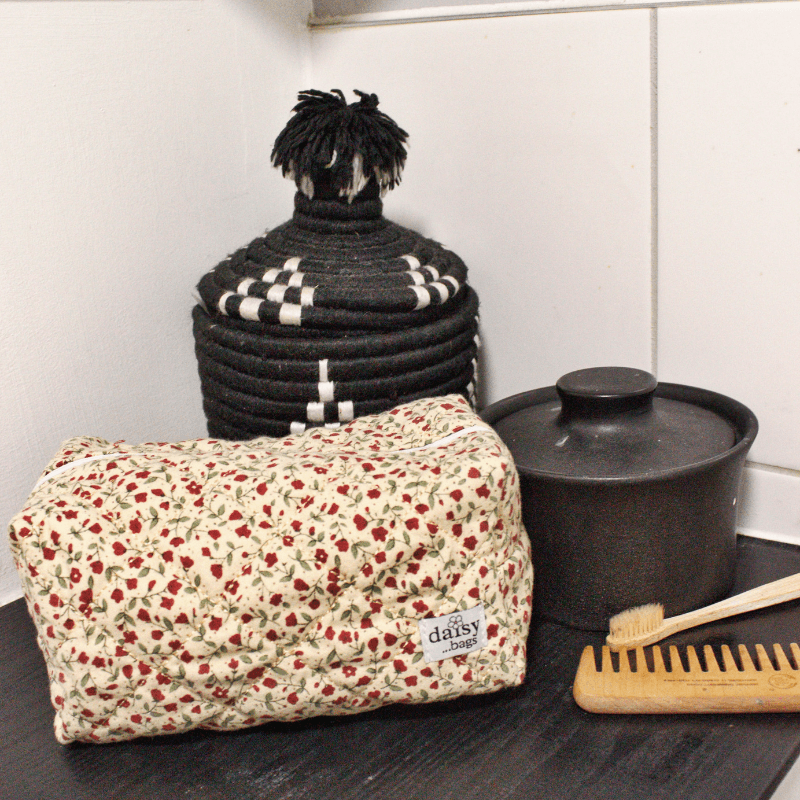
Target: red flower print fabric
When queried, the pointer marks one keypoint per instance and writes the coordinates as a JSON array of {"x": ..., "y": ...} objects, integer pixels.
[{"x": 222, "y": 584}]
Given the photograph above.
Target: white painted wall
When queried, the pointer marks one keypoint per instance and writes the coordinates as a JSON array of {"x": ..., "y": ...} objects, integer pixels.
[{"x": 134, "y": 155}]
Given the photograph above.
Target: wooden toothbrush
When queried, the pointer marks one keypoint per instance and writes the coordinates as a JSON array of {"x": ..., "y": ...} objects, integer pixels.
[{"x": 643, "y": 625}]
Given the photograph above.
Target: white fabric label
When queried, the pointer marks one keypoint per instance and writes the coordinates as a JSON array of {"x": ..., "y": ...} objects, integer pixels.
[{"x": 453, "y": 634}]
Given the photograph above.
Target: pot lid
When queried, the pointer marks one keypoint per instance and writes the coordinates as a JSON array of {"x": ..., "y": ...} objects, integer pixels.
[{"x": 618, "y": 423}]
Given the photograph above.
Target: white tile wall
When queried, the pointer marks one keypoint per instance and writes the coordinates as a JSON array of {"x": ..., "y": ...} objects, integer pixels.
[
  {"x": 729, "y": 202},
  {"x": 771, "y": 504},
  {"x": 530, "y": 157},
  {"x": 729, "y": 219}
]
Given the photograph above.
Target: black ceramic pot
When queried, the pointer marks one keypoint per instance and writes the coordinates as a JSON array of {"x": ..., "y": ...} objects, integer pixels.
[{"x": 629, "y": 491}]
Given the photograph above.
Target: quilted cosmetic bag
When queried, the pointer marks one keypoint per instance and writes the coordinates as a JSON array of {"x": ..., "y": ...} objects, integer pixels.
[{"x": 210, "y": 584}]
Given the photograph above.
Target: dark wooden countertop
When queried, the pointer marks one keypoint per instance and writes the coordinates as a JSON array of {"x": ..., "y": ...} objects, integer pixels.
[{"x": 532, "y": 742}]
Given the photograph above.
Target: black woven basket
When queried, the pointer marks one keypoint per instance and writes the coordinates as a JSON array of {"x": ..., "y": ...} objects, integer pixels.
[{"x": 338, "y": 312}]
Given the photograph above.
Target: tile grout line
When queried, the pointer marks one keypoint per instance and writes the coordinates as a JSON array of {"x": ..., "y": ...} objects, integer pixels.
[
  {"x": 654, "y": 191},
  {"x": 787, "y": 471}
]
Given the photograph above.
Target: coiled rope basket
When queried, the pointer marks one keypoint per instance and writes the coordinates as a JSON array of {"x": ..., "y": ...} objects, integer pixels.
[{"x": 338, "y": 312}]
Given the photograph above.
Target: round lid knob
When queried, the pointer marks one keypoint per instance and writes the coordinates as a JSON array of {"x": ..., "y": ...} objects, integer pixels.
[{"x": 605, "y": 392}]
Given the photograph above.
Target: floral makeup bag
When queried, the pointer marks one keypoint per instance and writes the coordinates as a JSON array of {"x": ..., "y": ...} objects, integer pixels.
[{"x": 211, "y": 584}]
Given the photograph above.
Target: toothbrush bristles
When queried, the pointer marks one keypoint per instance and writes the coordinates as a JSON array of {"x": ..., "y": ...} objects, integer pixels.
[{"x": 634, "y": 623}]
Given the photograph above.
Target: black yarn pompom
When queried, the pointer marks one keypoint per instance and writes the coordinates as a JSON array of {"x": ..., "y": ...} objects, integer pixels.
[{"x": 339, "y": 146}]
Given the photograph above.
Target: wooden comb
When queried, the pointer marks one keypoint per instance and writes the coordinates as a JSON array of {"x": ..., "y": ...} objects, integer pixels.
[{"x": 730, "y": 688}]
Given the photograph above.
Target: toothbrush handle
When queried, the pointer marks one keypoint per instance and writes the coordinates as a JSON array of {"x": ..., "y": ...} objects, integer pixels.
[{"x": 762, "y": 596}]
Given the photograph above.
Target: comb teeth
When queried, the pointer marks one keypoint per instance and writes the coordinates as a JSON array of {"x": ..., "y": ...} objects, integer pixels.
[
  {"x": 762, "y": 660},
  {"x": 746, "y": 686}
]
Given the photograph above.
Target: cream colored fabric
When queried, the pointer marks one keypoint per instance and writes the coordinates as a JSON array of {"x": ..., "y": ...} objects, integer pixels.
[{"x": 221, "y": 585}]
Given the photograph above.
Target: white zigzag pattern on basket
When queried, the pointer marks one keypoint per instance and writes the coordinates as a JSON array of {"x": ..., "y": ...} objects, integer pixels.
[
  {"x": 290, "y": 314},
  {"x": 248, "y": 308},
  {"x": 423, "y": 297}
]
